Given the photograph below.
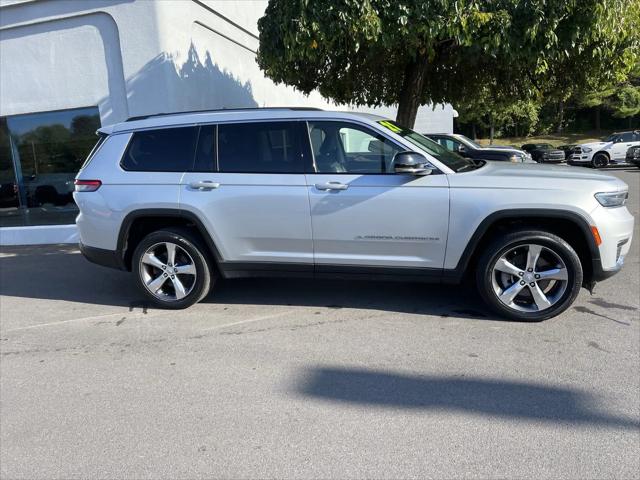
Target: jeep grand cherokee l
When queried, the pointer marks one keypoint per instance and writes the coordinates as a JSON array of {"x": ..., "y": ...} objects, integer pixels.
[{"x": 181, "y": 200}]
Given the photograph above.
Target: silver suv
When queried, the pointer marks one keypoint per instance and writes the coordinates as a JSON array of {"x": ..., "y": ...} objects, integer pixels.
[{"x": 184, "y": 199}]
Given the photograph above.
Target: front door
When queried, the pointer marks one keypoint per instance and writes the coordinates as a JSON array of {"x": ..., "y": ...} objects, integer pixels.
[
  {"x": 624, "y": 141},
  {"x": 362, "y": 213}
]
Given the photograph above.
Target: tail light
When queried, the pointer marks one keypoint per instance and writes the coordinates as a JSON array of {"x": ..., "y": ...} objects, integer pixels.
[{"x": 87, "y": 185}]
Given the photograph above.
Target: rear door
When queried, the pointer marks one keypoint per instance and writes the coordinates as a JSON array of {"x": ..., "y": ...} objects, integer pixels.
[
  {"x": 253, "y": 198},
  {"x": 363, "y": 214}
]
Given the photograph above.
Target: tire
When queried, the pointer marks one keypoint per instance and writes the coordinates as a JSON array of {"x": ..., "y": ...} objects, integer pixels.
[
  {"x": 599, "y": 160},
  {"x": 556, "y": 259},
  {"x": 191, "y": 278}
]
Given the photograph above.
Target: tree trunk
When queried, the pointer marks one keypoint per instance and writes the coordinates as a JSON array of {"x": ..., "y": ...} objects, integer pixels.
[
  {"x": 473, "y": 131},
  {"x": 415, "y": 74},
  {"x": 515, "y": 128},
  {"x": 491, "y": 130},
  {"x": 630, "y": 121},
  {"x": 560, "y": 115},
  {"x": 597, "y": 118}
]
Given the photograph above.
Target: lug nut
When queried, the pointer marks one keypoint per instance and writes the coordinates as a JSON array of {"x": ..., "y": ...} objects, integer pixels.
[
  {"x": 537, "y": 276},
  {"x": 523, "y": 282},
  {"x": 164, "y": 267},
  {"x": 165, "y": 274},
  {"x": 521, "y": 273},
  {"x": 528, "y": 269},
  {"x": 173, "y": 276},
  {"x": 532, "y": 284},
  {"x": 175, "y": 270}
]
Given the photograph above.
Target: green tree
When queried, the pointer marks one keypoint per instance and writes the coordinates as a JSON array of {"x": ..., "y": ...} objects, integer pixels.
[{"x": 408, "y": 52}]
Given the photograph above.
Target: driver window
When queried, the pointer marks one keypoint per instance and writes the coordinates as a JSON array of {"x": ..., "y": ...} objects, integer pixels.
[{"x": 340, "y": 147}]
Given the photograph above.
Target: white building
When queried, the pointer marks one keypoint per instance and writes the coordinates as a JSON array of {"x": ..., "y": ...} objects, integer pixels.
[{"x": 68, "y": 66}]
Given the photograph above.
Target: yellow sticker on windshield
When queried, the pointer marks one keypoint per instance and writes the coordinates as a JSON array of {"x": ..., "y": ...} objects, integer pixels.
[{"x": 390, "y": 125}]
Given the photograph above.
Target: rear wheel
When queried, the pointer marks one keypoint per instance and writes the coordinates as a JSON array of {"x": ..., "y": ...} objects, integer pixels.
[
  {"x": 529, "y": 275},
  {"x": 600, "y": 160},
  {"x": 171, "y": 268}
]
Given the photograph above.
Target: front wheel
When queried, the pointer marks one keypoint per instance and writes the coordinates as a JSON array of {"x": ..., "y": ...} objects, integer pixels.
[
  {"x": 171, "y": 268},
  {"x": 600, "y": 160},
  {"x": 529, "y": 275}
]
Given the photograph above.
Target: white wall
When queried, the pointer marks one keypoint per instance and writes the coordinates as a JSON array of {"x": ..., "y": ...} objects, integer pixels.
[
  {"x": 430, "y": 119},
  {"x": 136, "y": 57}
]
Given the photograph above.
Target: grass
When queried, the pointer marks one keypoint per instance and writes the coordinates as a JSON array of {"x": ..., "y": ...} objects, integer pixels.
[{"x": 554, "y": 139}]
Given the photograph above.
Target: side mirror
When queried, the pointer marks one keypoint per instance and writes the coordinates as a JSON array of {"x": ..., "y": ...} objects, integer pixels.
[
  {"x": 411, "y": 162},
  {"x": 461, "y": 149}
]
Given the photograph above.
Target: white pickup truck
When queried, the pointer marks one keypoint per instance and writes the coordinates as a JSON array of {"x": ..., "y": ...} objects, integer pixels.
[{"x": 612, "y": 150}]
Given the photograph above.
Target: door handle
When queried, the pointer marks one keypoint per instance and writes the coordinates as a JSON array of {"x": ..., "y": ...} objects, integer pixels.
[
  {"x": 204, "y": 185},
  {"x": 331, "y": 186}
]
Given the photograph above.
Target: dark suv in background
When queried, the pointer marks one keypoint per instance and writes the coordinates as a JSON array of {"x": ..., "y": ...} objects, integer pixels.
[
  {"x": 544, "y": 152},
  {"x": 633, "y": 156},
  {"x": 470, "y": 149}
]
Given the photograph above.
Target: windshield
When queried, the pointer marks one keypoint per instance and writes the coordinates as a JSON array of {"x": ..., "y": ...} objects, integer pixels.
[
  {"x": 469, "y": 141},
  {"x": 452, "y": 160},
  {"x": 610, "y": 138}
]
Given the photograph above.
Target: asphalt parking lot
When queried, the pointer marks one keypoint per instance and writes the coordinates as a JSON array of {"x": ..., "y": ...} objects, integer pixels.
[{"x": 310, "y": 379}]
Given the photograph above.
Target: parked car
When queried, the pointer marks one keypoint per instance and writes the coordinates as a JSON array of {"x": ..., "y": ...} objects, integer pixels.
[
  {"x": 567, "y": 149},
  {"x": 633, "y": 156},
  {"x": 181, "y": 200},
  {"x": 468, "y": 148},
  {"x": 544, "y": 152},
  {"x": 610, "y": 151}
]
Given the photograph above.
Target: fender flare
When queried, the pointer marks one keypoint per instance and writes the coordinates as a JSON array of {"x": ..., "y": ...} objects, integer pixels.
[
  {"x": 134, "y": 215},
  {"x": 454, "y": 275}
]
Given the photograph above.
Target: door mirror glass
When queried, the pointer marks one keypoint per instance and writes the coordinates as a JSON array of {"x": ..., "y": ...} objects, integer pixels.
[{"x": 412, "y": 163}]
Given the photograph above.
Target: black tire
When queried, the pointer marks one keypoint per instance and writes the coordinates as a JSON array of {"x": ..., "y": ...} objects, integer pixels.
[
  {"x": 190, "y": 243},
  {"x": 600, "y": 160},
  {"x": 503, "y": 244}
]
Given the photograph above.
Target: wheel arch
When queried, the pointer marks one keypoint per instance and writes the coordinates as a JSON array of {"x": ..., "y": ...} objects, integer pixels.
[
  {"x": 569, "y": 225},
  {"x": 139, "y": 223}
]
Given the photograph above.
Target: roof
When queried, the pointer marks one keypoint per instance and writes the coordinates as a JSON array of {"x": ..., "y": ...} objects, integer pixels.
[{"x": 230, "y": 115}]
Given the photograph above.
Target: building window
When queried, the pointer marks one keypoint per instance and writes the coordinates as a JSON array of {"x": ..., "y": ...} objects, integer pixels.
[{"x": 40, "y": 154}]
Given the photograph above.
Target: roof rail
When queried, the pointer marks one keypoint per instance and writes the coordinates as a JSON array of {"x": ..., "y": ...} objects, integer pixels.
[{"x": 144, "y": 117}]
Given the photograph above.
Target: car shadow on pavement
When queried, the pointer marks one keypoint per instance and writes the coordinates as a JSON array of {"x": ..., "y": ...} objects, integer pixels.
[
  {"x": 467, "y": 394},
  {"x": 457, "y": 301},
  {"x": 60, "y": 272}
]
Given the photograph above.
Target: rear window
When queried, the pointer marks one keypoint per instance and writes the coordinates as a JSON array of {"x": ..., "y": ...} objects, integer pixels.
[
  {"x": 164, "y": 150},
  {"x": 261, "y": 147}
]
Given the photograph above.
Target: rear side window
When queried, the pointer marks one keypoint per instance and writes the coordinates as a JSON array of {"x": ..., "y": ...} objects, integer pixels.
[
  {"x": 262, "y": 147},
  {"x": 96, "y": 147},
  {"x": 164, "y": 150}
]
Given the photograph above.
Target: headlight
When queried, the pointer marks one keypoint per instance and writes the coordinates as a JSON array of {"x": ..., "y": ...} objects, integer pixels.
[
  {"x": 586, "y": 149},
  {"x": 612, "y": 199}
]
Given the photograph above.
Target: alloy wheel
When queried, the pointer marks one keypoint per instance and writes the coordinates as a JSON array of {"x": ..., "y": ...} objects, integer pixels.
[
  {"x": 529, "y": 278},
  {"x": 168, "y": 272}
]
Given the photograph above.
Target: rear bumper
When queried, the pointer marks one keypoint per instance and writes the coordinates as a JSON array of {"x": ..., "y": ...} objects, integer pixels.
[{"x": 100, "y": 256}]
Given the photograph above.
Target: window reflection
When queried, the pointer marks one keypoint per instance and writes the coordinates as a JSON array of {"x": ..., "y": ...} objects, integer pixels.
[{"x": 41, "y": 154}]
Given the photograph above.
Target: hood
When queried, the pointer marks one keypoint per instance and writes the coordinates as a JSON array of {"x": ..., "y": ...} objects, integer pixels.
[
  {"x": 596, "y": 145},
  {"x": 502, "y": 149},
  {"x": 537, "y": 176}
]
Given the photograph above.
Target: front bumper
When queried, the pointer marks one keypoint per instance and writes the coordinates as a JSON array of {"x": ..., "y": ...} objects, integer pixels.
[
  {"x": 615, "y": 226},
  {"x": 580, "y": 159}
]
